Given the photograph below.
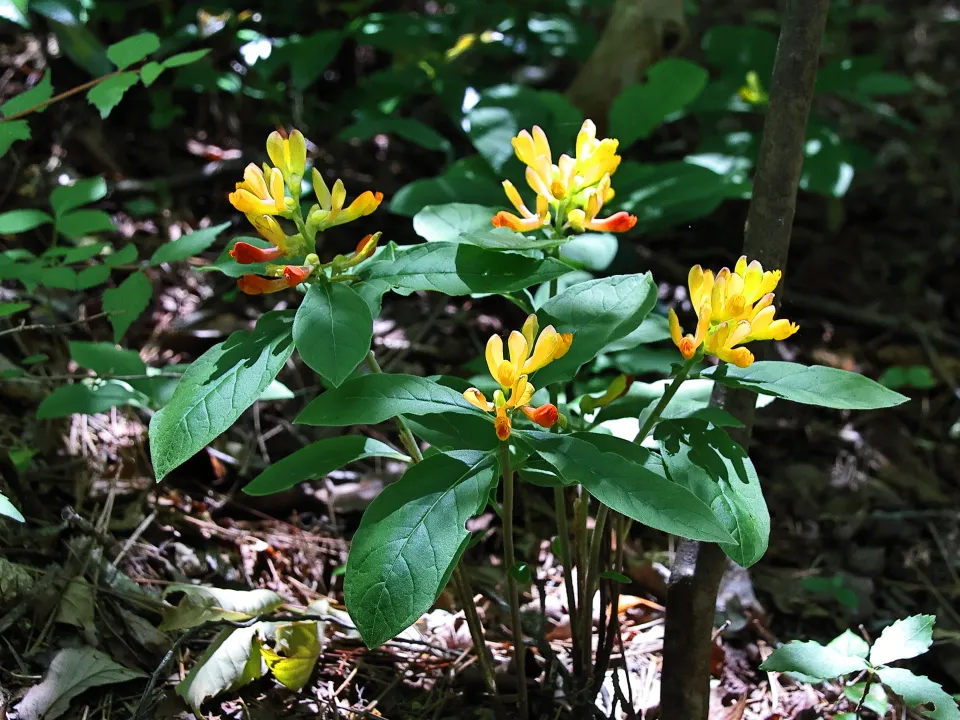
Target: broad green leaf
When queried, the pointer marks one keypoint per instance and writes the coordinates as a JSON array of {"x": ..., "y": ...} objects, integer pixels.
[
  {"x": 446, "y": 223},
  {"x": 91, "y": 277},
  {"x": 133, "y": 49},
  {"x": 230, "y": 267},
  {"x": 7, "y": 509},
  {"x": 672, "y": 84},
  {"x": 150, "y": 72},
  {"x": 83, "y": 192},
  {"x": 106, "y": 359},
  {"x": 903, "y": 639},
  {"x": 39, "y": 93},
  {"x": 371, "y": 399},
  {"x": 736, "y": 499},
  {"x": 7, "y": 309},
  {"x": 86, "y": 398},
  {"x": 449, "y": 431},
  {"x": 498, "y": 115},
  {"x": 298, "y": 645},
  {"x": 84, "y": 251},
  {"x": 410, "y": 538},
  {"x": 10, "y": 132},
  {"x": 188, "y": 246},
  {"x": 919, "y": 690},
  {"x": 18, "y": 221},
  {"x": 850, "y": 644},
  {"x": 81, "y": 223},
  {"x": 616, "y": 479},
  {"x": 875, "y": 701},
  {"x": 467, "y": 180},
  {"x": 72, "y": 671},
  {"x": 216, "y": 389},
  {"x": 106, "y": 95},
  {"x": 310, "y": 55},
  {"x": 809, "y": 385},
  {"x": 332, "y": 330},
  {"x": 506, "y": 239},
  {"x": 126, "y": 302},
  {"x": 317, "y": 460},
  {"x": 590, "y": 251},
  {"x": 372, "y": 294},
  {"x": 812, "y": 659},
  {"x": 127, "y": 255},
  {"x": 459, "y": 269},
  {"x": 200, "y": 604},
  {"x": 597, "y": 312},
  {"x": 231, "y": 661}
]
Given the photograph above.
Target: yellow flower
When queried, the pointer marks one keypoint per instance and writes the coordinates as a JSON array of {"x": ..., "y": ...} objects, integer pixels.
[
  {"x": 595, "y": 158},
  {"x": 528, "y": 352},
  {"x": 330, "y": 211},
  {"x": 732, "y": 308},
  {"x": 528, "y": 220},
  {"x": 753, "y": 92},
  {"x": 259, "y": 194},
  {"x": 585, "y": 218},
  {"x": 289, "y": 154}
]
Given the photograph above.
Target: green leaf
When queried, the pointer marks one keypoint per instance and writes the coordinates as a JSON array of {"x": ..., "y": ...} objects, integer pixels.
[
  {"x": 813, "y": 660},
  {"x": 458, "y": 269},
  {"x": 446, "y": 223},
  {"x": 410, "y": 538},
  {"x": 216, "y": 389},
  {"x": 231, "y": 661},
  {"x": 672, "y": 84},
  {"x": 126, "y": 302},
  {"x": 597, "y": 312},
  {"x": 83, "y": 252},
  {"x": 230, "y": 267},
  {"x": 371, "y": 399},
  {"x": 506, "y": 239},
  {"x": 295, "y": 653},
  {"x": 875, "y": 701},
  {"x": 105, "y": 96},
  {"x": 10, "y": 132},
  {"x": 736, "y": 50},
  {"x": 86, "y": 398},
  {"x": 317, "y": 460},
  {"x": 65, "y": 198},
  {"x": 7, "y": 509},
  {"x": 410, "y": 129},
  {"x": 106, "y": 359},
  {"x": 591, "y": 251},
  {"x": 467, "y": 180},
  {"x": 150, "y": 72},
  {"x": 7, "y": 309},
  {"x": 188, "y": 246},
  {"x": 133, "y": 49},
  {"x": 919, "y": 690},
  {"x": 849, "y": 644},
  {"x": 333, "y": 330},
  {"x": 616, "y": 577},
  {"x": 127, "y": 255},
  {"x": 18, "y": 221},
  {"x": 310, "y": 56},
  {"x": 200, "y": 604},
  {"x": 91, "y": 277},
  {"x": 813, "y": 385},
  {"x": 449, "y": 431},
  {"x": 15, "y": 11},
  {"x": 735, "y": 498},
  {"x": 184, "y": 58},
  {"x": 39, "y": 93},
  {"x": 903, "y": 639},
  {"x": 72, "y": 671},
  {"x": 612, "y": 471},
  {"x": 81, "y": 223}
]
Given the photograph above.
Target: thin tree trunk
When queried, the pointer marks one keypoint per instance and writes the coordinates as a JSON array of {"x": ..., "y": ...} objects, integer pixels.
[{"x": 698, "y": 567}]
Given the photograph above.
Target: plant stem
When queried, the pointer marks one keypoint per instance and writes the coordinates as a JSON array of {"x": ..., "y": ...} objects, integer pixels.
[
  {"x": 64, "y": 95},
  {"x": 665, "y": 399},
  {"x": 510, "y": 558},
  {"x": 591, "y": 582},
  {"x": 406, "y": 437}
]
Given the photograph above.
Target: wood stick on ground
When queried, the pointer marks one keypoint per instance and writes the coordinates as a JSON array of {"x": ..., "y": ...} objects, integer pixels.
[{"x": 698, "y": 567}]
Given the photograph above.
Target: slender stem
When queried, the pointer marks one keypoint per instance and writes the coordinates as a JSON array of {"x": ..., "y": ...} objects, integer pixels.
[
  {"x": 519, "y": 650},
  {"x": 465, "y": 594},
  {"x": 581, "y": 508},
  {"x": 64, "y": 95},
  {"x": 406, "y": 437},
  {"x": 563, "y": 546},
  {"x": 591, "y": 582},
  {"x": 665, "y": 399}
]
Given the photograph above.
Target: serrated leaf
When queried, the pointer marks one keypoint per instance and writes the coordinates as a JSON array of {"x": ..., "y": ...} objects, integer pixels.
[
  {"x": 81, "y": 223},
  {"x": 106, "y": 359},
  {"x": 65, "y": 198},
  {"x": 812, "y": 659},
  {"x": 917, "y": 690},
  {"x": 133, "y": 49},
  {"x": 597, "y": 312},
  {"x": 106, "y": 95},
  {"x": 126, "y": 302},
  {"x": 809, "y": 385},
  {"x": 371, "y": 399},
  {"x": 409, "y": 540},
  {"x": 187, "y": 246},
  {"x": 18, "y": 221},
  {"x": 73, "y": 671},
  {"x": 83, "y": 398},
  {"x": 201, "y": 604},
  {"x": 39, "y": 93},
  {"x": 231, "y": 661},
  {"x": 903, "y": 639},
  {"x": 461, "y": 269},
  {"x": 317, "y": 460},
  {"x": 610, "y": 469},
  {"x": 298, "y": 645},
  {"x": 850, "y": 644},
  {"x": 216, "y": 389},
  {"x": 332, "y": 330}
]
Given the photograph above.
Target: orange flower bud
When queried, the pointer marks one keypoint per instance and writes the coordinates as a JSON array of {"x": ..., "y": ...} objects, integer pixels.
[
  {"x": 545, "y": 416},
  {"x": 245, "y": 253},
  {"x": 256, "y": 285},
  {"x": 296, "y": 274},
  {"x": 502, "y": 425}
]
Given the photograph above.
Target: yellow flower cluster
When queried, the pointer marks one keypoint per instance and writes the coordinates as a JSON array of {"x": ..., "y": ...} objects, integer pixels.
[
  {"x": 732, "y": 308},
  {"x": 262, "y": 197},
  {"x": 572, "y": 191},
  {"x": 528, "y": 352}
]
